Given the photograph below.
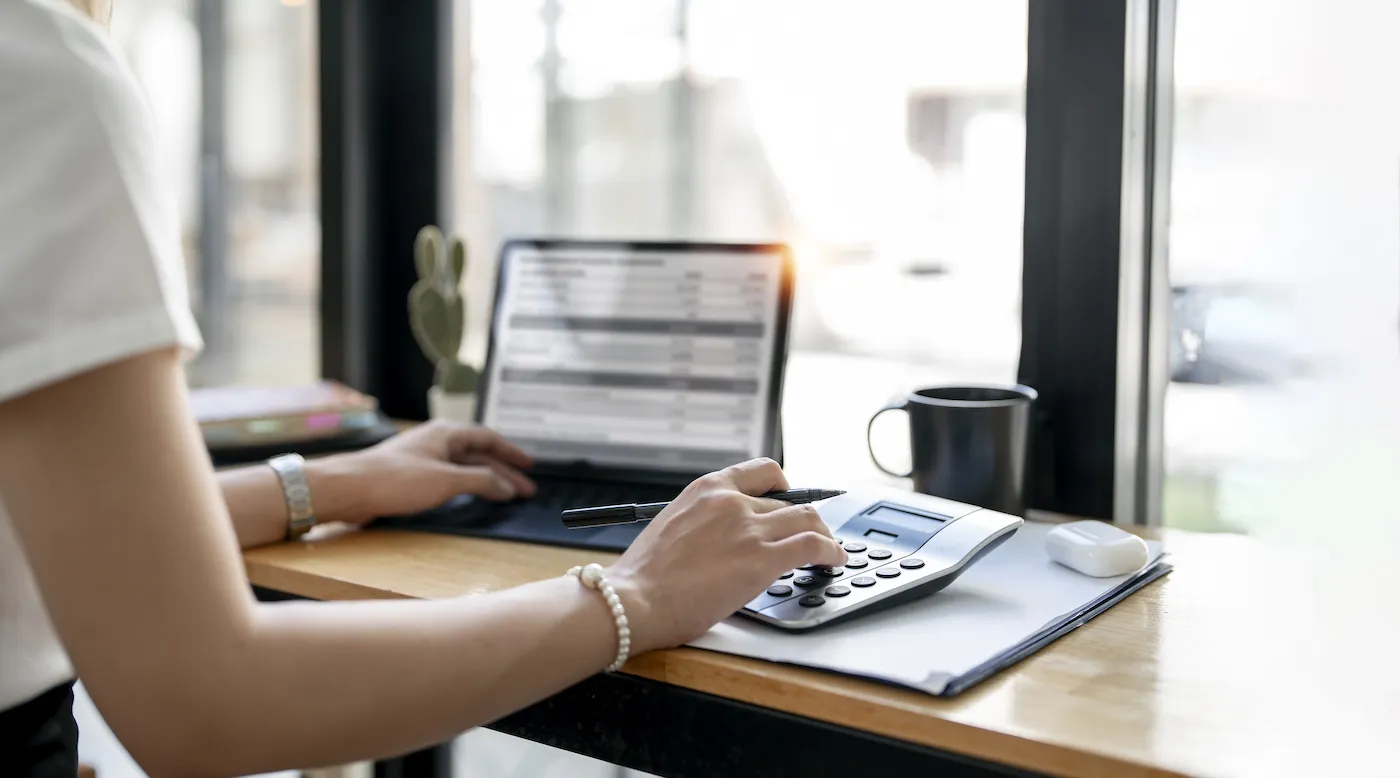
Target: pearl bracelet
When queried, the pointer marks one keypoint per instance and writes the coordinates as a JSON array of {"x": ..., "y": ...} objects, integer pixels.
[{"x": 592, "y": 576}]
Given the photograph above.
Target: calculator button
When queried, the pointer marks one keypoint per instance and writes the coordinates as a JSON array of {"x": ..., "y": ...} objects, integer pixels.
[
  {"x": 829, "y": 572},
  {"x": 806, "y": 581},
  {"x": 811, "y": 601},
  {"x": 911, "y": 564},
  {"x": 856, "y": 564},
  {"x": 880, "y": 553},
  {"x": 809, "y": 567},
  {"x": 785, "y": 576},
  {"x": 837, "y": 591},
  {"x": 887, "y": 572},
  {"x": 780, "y": 590},
  {"x": 854, "y": 548},
  {"x": 863, "y": 580}
]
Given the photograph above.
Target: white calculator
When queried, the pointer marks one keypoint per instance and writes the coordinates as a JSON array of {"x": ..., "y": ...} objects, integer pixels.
[{"x": 901, "y": 546}]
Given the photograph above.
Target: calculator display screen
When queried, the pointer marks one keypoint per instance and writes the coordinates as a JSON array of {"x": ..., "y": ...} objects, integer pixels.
[{"x": 911, "y": 521}]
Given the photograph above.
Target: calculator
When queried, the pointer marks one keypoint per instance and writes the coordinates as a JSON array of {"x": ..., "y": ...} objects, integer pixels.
[{"x": 900, "y": 547}]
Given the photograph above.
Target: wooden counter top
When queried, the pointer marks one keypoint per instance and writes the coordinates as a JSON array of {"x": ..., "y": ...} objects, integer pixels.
[{"x": 1246, "y": 660}]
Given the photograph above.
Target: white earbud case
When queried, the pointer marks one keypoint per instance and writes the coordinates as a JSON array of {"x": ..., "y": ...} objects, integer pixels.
[{"x": 1096, "y": 548}]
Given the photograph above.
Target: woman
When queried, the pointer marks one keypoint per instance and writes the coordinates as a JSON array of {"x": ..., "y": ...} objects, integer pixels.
[{"x": 119, "y": 546}]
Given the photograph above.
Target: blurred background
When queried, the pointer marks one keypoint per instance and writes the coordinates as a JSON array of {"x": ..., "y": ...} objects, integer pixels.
[
  {"x": 254, "y": 271},
  {"x": 885, "y": 141}
]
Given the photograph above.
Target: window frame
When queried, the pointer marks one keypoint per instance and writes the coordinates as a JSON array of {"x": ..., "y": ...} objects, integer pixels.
[
  {"x": 1091, "y": 306},
  {"x": 386, "y": 170}
]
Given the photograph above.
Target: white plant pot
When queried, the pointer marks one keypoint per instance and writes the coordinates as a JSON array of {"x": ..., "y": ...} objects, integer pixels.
[{"x": 452, "y": 407}]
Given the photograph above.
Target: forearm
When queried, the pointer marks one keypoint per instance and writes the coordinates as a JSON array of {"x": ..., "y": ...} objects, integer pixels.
[
  {"x": 130, "y": 540},
  {"x": 258, "y": 510},
  {"x": 327, "y": 683}
]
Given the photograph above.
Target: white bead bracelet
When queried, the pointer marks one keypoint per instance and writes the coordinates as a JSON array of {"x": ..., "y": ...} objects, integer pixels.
[{"x": 592, "y": 576}]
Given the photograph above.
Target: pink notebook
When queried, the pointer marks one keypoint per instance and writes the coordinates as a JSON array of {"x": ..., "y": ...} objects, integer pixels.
[{"x": 243, "y": 415}]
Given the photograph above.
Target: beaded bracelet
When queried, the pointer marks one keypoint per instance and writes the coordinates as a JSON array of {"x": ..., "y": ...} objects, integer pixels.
[{"x": 592, "y": 576}]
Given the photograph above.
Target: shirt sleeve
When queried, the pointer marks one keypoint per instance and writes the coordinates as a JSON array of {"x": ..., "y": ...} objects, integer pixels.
[{"x": 91, "y": 269}]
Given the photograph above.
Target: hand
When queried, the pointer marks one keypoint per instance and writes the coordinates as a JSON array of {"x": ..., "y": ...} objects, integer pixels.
[
  {"x": 714, "y": 548},
  {"x": 425, "y": 466}
]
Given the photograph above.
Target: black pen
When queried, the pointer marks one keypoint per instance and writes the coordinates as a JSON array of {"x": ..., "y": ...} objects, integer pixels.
[{"x": 606, "y": 515}]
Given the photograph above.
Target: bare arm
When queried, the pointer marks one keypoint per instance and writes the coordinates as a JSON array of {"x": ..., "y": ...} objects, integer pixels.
[
  {"x": 126, "y": 528},
  {"x": 127, "y": 531}
]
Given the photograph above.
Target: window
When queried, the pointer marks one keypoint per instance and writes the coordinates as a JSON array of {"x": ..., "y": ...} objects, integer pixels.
[
  {"x": 247, "y": 185},
  {"x": 1284, "y": 263},
  {"x": 883, "y": 140}
]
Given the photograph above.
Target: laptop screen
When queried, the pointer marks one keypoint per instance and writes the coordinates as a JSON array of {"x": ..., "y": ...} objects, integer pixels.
[{"x": 634, "y": 356}]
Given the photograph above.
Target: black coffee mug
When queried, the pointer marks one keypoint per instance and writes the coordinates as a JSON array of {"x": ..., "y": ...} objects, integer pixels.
[{"x": 968, "y": 443}]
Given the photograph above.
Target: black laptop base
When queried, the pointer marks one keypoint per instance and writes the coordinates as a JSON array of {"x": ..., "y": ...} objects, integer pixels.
[{"x": 536, "y": 520}]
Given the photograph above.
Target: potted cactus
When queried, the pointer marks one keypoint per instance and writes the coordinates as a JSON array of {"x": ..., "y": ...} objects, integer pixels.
[{"x": 438, "y": 316}]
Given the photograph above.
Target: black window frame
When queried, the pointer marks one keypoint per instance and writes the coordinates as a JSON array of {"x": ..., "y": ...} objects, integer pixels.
[
  {"x": 386, "y": 162},
  {"x": 1092, "y": 274}
]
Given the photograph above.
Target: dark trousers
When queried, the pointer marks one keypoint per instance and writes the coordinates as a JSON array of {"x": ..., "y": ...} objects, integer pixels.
[{"x": 39, "y": 738}]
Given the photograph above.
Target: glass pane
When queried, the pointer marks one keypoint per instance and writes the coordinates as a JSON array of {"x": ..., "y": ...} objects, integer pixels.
[
  {"x": 1285, "y": 267},
  {"x": 884, "y": 140},
  {"x": 161, "y": 42},
  {"x": 257, "y": 298}
]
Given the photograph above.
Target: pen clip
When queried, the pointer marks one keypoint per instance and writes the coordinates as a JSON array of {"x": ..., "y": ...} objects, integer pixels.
[{"x": 578, "y": 518}]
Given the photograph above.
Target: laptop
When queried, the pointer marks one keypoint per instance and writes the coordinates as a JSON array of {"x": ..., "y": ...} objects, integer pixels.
[{"x": 626, "y": 370}]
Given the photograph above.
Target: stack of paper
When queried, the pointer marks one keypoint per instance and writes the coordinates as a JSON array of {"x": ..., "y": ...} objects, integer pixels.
[{"x": 1001, "y": 610}]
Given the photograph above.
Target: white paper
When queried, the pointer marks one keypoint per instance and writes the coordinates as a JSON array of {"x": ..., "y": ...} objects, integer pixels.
[{"x": 1007, "y": 596}]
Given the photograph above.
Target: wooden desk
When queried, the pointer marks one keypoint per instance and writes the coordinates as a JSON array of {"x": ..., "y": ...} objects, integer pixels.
[{"x": 1246, "y": 660}]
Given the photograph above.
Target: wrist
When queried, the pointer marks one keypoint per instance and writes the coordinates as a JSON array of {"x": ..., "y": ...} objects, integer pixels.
[
  {"x": 333, "y": 488},
  {"x": 595, "y": 578},
  {"x": 638, "y": 609}
]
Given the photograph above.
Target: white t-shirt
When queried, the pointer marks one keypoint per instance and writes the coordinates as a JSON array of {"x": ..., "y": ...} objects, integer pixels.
[{"x": 90, "y": 260}]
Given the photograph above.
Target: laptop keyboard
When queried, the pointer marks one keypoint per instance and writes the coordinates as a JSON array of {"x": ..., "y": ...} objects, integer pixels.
[
  {"x": 537, "y": 520},
  {"x": 558, "y": 495},
  {"x": 563, "y": 495}
]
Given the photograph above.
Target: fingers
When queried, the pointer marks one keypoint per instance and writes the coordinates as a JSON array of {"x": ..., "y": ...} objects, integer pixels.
[
  {"x": 765, "y": 505},
  {"x": 520, "y": 482},
  {"x": 464, "y": 440},
  {"x": 791, "y": 520},
  {"x": 809, "y": 548},
  {"x": 481, "y": 481},
  {"x": 756, "y": 476}
]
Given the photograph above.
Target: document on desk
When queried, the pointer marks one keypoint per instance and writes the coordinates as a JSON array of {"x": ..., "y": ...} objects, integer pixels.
[{"x": 1009, "y": 605}]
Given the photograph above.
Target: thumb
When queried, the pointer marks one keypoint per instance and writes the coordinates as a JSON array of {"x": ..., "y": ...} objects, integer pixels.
[{"x": 479, "y": 481}]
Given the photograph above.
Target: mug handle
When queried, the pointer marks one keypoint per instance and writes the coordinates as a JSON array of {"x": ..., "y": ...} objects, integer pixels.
[{"x": 899, "y": 406}]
